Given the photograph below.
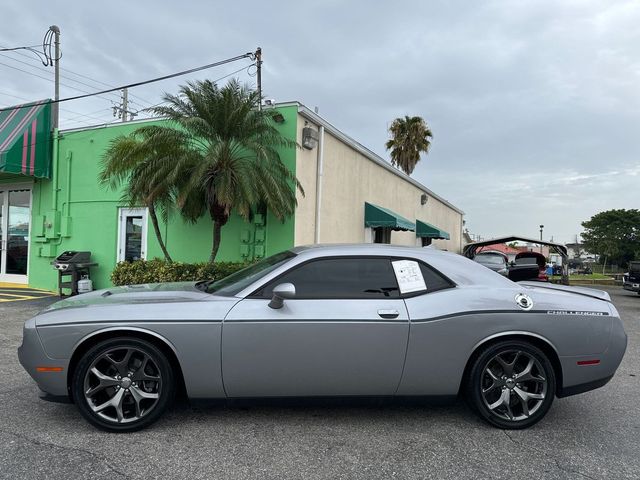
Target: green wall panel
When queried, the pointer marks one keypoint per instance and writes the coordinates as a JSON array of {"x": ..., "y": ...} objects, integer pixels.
[{"x": 84, "y": 216}]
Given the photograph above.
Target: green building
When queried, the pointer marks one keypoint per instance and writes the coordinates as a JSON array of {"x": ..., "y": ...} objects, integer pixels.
[{"x": 51, "y": 200}]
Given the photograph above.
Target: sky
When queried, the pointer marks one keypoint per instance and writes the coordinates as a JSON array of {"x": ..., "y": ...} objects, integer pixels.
[{"x": 534, "y": 105}]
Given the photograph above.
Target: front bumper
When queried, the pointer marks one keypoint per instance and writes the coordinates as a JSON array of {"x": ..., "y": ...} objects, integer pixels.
[
  {"x": 33, "y": 359},
  {"x": 632, "y": 287}
]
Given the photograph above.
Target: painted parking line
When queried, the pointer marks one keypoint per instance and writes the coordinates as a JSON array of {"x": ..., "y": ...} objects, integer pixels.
[
  {"x": 42, "y": 293},
  {"x": 22, "y": 294}
]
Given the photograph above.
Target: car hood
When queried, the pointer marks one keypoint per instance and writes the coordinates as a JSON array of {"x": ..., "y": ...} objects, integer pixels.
[
  {"x": 135, "y": 294},
  {"x": 584, "y": 291}
]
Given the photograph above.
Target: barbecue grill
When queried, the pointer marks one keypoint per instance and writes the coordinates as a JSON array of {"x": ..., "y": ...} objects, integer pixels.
[{"x": 74, "y": 264}]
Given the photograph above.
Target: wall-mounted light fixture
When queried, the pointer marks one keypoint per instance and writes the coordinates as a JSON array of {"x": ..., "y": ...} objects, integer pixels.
[
  {"x": 309, "y": 138},
  {"x": 278, "y": 117},
  {"x": 423, "y": 199}
]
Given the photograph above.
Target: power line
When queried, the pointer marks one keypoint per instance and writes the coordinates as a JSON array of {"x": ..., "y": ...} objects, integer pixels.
[
  {"x": 15, "y": 96},
  {"x": 214, "y": 81},
  {"x": 144, "y": 82},
  {"x": 78, "y": 114},
  {"x": 86, "y": 115},
  {"x": 47, "y": 71},
  {"x": 2, "y": 48},
  {"x": 29, "y": 47},
  {"x": 63, "y": 84}
]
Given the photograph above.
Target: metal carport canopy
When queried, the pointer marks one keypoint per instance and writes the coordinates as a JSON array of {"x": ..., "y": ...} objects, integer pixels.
[{"x": 470, "y": 249}]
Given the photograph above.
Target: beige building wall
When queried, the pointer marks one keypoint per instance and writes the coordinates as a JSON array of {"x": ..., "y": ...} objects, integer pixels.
[{"x": 349, "y": 180}]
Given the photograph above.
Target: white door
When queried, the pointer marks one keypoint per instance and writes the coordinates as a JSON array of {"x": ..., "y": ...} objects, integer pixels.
[
  {"x": 132, "y": 234},
  {"x": 15, "y": 226}
]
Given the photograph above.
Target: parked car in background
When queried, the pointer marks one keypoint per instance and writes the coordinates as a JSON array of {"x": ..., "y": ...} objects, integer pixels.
[
  {"x": 495, "y": 261},
  {"x": 631, "y": 279},
  {"x": 529, "y": 266},
  {"x": 343, "y": 320}
]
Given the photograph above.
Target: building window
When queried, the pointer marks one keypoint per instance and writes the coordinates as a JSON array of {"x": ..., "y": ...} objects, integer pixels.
[
  {"x": 426, "y": 241},
  {"x": 381, "y": 235},
  {"x": 132, "y": 234}
]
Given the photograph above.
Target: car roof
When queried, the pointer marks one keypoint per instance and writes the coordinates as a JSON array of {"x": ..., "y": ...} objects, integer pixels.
[
  {"x": 324, "y": 249},
  {"x": 461, "y": 270}
]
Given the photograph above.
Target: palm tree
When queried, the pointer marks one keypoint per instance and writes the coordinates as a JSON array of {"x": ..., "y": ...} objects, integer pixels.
[
  {"x": 410, "y": 136},
  {"x": 225, "y": 154},
  {"x": 140, "y": 168}
]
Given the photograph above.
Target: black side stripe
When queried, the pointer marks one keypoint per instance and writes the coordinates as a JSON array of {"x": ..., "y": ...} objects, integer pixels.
[{"x": 493, "y": 312}]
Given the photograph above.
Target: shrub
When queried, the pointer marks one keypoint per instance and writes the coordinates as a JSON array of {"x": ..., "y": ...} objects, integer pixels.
[{"x": 156, "y": 271}]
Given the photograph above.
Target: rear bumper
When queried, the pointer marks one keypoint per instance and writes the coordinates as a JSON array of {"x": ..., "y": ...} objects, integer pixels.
[
  {"x": 579, "y": 378},
  {"x": 583, "y": 387}
]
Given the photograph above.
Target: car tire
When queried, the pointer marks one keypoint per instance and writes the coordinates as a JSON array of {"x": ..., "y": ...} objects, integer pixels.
[
  {"x": 123, "y": 384},
  {"x": 511, "y": 384}
]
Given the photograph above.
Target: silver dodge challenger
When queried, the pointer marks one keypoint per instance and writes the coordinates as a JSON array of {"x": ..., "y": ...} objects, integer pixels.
[{"x": 341, "y": 320}]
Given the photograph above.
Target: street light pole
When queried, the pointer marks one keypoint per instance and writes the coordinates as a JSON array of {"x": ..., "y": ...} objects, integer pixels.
[{"x": 541, "y": 227}]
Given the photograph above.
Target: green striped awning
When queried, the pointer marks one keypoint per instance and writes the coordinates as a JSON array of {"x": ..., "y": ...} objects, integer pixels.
[
  {"x": 375, "y": 216},
  {"x": 25, "y": 139},
  {"x": 424, "y": 229}
]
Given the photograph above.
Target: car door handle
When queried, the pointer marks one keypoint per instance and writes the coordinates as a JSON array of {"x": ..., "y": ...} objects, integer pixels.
[{"x": 388, "y": 313}]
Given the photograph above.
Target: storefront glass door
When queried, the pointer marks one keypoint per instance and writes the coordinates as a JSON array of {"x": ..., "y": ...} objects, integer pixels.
[{"x": 15, "y": 224}]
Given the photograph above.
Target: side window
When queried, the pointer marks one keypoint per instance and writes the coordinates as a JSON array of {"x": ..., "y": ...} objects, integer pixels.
[
  {"x": 434, "y": 280},
  {"x": 340, "y": 278},
  {"x": 417, "y": 278}
]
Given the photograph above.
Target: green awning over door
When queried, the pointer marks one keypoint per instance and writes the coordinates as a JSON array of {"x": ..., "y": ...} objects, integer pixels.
[
  {"x": 375, "y": 216},
  {"x": 424, "y": 229},
  {"x": 25, "y": 139}
]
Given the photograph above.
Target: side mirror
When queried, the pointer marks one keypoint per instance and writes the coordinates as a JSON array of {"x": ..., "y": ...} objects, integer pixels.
[{"x": 280, "y": 292}]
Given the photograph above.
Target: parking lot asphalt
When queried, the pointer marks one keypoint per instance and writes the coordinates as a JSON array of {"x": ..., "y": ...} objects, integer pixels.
[{"x": 594, "y": 435}]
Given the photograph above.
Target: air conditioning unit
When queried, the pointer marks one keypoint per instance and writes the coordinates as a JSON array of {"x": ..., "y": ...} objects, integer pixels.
[{"x": 309, "y": 138}]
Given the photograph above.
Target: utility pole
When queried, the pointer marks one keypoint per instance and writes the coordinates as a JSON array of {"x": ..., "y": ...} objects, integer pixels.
[
  {"x": 259, "y": 66},
  {"x": 56, "y": 62},
  {"x": 541, "y": 227},
  {"x": 125, "y": 104},
  {"x": 121, "y": 111}
]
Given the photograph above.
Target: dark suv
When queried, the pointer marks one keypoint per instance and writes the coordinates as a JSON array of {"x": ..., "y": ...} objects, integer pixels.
[{"x": 631, "y": 280}]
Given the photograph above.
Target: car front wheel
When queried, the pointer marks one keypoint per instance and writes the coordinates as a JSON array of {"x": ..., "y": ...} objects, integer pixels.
[
  {"x": 512, "y": 384},
  {"x": 123, "y": 384}
]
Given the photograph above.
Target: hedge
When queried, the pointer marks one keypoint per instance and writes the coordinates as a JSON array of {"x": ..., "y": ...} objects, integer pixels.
[{"x": 156, "y": 271}]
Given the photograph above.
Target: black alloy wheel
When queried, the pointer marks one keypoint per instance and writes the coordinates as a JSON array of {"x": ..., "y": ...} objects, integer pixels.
[
  {"x": 512, "y": 384},
  {"x": 123, "y": 384}
]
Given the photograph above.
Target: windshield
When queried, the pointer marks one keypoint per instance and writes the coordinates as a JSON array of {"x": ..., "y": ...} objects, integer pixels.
[
  {"x": 490, "y": 259},
  {"x": 234, "y": 283}
]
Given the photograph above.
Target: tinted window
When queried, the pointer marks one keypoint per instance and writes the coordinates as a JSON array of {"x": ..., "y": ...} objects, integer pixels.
[
  {"x": 240, "y": 280},
  {"x": 434, "y": 280},
  {"x": 340, "y": 278}
]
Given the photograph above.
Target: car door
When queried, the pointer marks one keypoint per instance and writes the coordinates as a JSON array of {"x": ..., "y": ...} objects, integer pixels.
[{"x": 344, "y": 333}]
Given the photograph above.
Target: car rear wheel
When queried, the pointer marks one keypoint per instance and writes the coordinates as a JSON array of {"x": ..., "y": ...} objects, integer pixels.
[
  {"x": 123, "y": 384},
  {"x": 512, "y": 384}
]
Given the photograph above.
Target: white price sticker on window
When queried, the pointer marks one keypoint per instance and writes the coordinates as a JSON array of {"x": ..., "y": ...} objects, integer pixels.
[{"x": 409, "y": 276}]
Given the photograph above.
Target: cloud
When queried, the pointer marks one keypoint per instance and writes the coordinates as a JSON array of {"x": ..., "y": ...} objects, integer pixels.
[{"x": 534, "y": 105}]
